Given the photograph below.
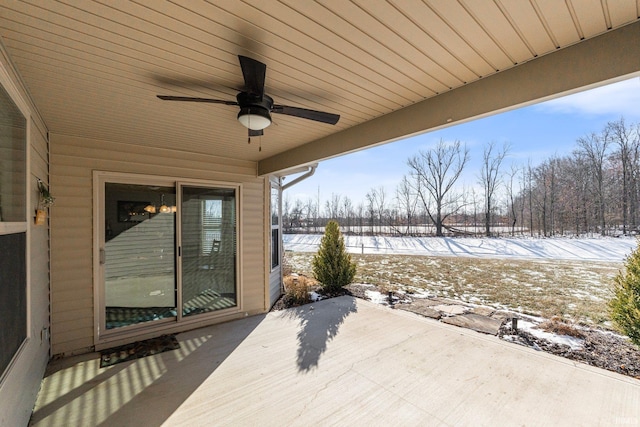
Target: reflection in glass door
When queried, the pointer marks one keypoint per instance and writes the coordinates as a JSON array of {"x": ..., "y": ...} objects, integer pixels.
[
  {"x": 208, "y": 242},
  {"x": 139, "y": 255}
]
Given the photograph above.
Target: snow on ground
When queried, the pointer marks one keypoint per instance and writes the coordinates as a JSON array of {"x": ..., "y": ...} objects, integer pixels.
[
  {"x": 583, "y": 249},
  {"x": 532, "y": 328}
]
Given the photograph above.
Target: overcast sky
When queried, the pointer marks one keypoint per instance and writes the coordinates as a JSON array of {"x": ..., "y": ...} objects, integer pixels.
[{"x": 534, "y": 133}]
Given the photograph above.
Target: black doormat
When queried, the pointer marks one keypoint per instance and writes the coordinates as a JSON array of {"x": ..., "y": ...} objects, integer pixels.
[{"x": 138, "y": 349}]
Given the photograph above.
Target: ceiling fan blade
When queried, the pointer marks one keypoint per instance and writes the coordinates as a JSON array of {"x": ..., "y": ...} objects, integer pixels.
[
  {"x": 190, "y": 99},
  {"x": 254, "y": 73},
  {"x": 255, "y": 132},
  {"x": 318, "y": 116}
]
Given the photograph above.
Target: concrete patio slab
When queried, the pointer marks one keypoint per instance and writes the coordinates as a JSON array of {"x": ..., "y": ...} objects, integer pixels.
[{"x": 341, "y": 361}]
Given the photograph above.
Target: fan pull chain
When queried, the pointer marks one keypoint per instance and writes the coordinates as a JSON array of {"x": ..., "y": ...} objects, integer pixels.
[{"x": 259, "y": 142}]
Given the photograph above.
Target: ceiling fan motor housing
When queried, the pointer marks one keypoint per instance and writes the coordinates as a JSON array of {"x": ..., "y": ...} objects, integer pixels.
[{"x": 254, "y": 110}]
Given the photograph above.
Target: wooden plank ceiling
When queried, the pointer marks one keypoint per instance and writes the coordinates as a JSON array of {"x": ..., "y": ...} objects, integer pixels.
[{"x": 93, "y": 68}]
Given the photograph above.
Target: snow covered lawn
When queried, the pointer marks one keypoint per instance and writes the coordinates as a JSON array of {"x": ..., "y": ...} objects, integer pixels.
[
  {"x": 587, "y": 249},
  {"x": 569, "y": 278}
]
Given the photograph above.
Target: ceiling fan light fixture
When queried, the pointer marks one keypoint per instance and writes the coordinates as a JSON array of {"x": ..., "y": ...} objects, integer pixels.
[{"x": 254, "y": 118}]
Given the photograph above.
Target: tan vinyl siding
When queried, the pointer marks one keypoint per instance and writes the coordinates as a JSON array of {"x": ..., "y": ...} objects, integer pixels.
[
  {"x": 253, "y": 253},
  {"x": 275, "y": 285},
  {"x": 73, "y": 161}
]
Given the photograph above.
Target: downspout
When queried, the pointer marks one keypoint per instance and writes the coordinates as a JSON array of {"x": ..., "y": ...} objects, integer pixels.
[
  {"x": 308, "y": 174},
  {"x": 311, "y": 169}
]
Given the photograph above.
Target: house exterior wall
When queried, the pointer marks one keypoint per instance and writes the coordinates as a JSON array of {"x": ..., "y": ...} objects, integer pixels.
[
  {"x": 73, "y": 161},
  {"x": 20, "y": 385},
  {"x": 275, "y": 285}
]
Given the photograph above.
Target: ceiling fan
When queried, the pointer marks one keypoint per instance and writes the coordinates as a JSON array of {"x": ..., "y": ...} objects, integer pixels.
[{"x": 256, "y": 106}]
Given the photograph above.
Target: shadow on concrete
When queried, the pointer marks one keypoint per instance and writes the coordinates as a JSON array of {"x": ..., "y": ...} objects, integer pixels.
[
  {"x": 119, "y": 394},
  {"x": 319, "y": 324}
]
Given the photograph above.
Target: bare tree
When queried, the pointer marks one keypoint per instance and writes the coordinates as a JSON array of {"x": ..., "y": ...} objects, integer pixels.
[
  {"x": 434, "y": 174},
  {"x": 594, "y": 149},
  {"x": 286, "y": 213},
  {"x": 376, "y": 205},
  {"x": 347, "y": 211},
  {"x": 381, "y": 208},
  {"x": 316, "y": 221},
  {"x": 545, "y": 195},
  {"x": 312, "y": 215},
  {"x": 371, "y": 209},
  {"x": 490, "y": 178},
  {"x": 474, "y": 198},
  {"x": 513, "y": 213},
  {"x": 360, "y": 210},
  {"x": 594, "y": 189},
  {"x": 332, "y": 207},
  {"x": 407, "y": 202},
  {"x": 627, "y": 140},
  {"x": 297, "y": 214}
]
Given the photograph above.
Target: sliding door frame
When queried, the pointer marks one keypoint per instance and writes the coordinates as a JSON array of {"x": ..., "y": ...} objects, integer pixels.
[
  {"x": 104, "y": 338},
  {"x": 179, "y": 242}
]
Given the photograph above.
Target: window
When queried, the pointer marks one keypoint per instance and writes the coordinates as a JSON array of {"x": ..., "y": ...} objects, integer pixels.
[
  {"x": 211, "y": 225},
  {"x": 275, "y": 227},
  {"x": 13, "y": 227},
  {"x": 13, "y": 137}
]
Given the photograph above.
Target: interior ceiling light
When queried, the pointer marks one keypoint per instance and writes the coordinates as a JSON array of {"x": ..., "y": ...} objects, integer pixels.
[
  {"x": 254, "y": 117},
  {"x": 163, "y": 208}
]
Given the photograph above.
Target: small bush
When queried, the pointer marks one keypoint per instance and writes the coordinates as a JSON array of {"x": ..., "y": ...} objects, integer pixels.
[
  {"x": 559, "y": 326},
  {"x": 624, "y": 307},
  {"x": 296, "y": 291},
  {"x": 332, "y": 265}
]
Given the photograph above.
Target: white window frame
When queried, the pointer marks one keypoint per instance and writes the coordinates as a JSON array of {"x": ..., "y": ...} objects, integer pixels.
[
  {"x": 21, "y": 226},
  {"x": 275, "y": 187}
]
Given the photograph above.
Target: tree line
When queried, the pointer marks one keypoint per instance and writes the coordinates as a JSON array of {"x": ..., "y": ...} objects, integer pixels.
[{"x": 593, "y": 190}]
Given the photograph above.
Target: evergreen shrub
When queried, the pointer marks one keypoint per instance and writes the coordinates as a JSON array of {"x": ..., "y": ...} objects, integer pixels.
[
  {"x": 332, "y": 265},
  {"x": 624, "y": 307}
]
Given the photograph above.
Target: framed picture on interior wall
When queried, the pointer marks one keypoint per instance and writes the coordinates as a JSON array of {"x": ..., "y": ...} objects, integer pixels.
[{"x": 129, "y": 211}]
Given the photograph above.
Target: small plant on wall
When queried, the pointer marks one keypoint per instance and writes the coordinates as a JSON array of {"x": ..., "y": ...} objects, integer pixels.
[{"x": 45, "y": 199}]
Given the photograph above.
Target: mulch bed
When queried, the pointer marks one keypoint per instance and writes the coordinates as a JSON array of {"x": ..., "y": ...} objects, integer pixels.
[{"x": 601, "y": 349}]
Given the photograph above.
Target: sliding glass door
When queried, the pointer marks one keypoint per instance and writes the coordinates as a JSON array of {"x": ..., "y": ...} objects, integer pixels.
[
  {"x": 139, "y": 254},
  {"x": 167, "y": 251},
  {"x": 208, "y": 231}
]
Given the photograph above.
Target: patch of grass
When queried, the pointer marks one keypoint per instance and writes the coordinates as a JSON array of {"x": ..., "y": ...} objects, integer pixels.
[
  {"x": 561, "y": 327},
  {"x": 574, "y": 290}
]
